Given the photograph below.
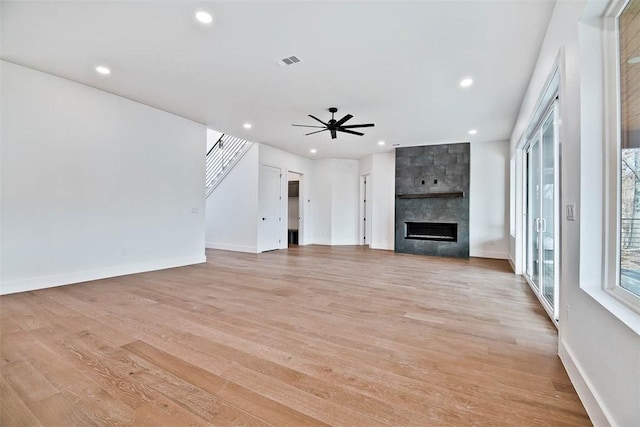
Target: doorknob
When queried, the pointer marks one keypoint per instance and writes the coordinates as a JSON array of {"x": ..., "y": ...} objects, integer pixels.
[{"x": 264, "y": 219}]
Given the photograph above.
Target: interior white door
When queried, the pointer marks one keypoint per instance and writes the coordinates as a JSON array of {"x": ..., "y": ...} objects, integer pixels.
[{"x": 269, "y": 198}]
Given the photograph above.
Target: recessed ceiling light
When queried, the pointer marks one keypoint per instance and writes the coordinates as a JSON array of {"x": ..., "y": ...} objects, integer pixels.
[
  {"x": 634, "y": 60},
  {"x": 466, "y": 82},
  {"x": 204, "y": 17},
  {"x": 101, "y": 69},
  {"x": 380, "y": 142},
  {"x": 247, "y": 125},
  {"x": 313, "y": 151},
  {"x": 473, "y": 132}
]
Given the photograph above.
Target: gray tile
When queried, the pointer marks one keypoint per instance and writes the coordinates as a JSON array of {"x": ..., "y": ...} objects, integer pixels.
[{"x": 449, "y": 165}]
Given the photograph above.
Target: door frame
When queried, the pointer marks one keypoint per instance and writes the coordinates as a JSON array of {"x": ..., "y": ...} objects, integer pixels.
[
  {"x": 300, "y": 206},
  {"x": 365, "y": 211},
  {"x": 551, "y": 110}
]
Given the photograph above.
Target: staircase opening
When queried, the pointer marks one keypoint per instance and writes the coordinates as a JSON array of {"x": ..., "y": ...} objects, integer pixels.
[{"x": 222, "y": 156}]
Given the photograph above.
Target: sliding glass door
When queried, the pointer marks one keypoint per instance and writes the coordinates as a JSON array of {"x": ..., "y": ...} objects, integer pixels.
[{"x": 542, "y": 209}]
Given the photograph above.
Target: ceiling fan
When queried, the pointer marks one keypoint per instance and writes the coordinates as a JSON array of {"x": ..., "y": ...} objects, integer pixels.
[{"x": 335, "y": 126}]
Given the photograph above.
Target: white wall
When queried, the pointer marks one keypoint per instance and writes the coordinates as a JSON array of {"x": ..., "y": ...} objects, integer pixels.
[
  {"x": 381, "y": 168},
  {"x": 335, "y": 204},
  {"x": 93, "y": 185},
  {"x": 600, "y": 352},
  {"x": 232, "y": 208},
  {"x": 322, "y": 202},
  {"x": 345, "y": 189},
  {"x": 488, "y": 195},
  {"x": 328, "y": 189}
]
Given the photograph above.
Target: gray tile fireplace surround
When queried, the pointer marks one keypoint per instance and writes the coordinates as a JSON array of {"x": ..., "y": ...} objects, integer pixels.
[{"x": 432, "y": 186}]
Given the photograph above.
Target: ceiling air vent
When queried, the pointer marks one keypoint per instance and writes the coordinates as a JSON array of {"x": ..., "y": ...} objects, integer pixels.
[{"x": 289, "y": 60}]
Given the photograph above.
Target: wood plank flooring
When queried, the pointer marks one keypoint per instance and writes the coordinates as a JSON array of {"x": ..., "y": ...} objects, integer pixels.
[{"x": 307, "y": 336}]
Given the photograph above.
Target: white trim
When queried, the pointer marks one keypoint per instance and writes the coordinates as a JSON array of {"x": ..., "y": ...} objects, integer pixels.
[
  {"x": 512, "y": 263},
  {"x": 490, "y": 254},
  {"x": 553, "y": 87},
  {"x": 621, "y": 311},
  {"x": 234, "y": 248},
  {"x": 520, "y": 238},
  {"x": 42, "y": 282},
  {"x": 301, "y": 199},
  {"x": 551, "y": 114},
  {"x": 595, "y": 153},
  {"x": 545, "y": 102},
  {"x": 381, "y": 248},
  {"x": 612, "y": 165},
  {"x": 592, "y": 402}
]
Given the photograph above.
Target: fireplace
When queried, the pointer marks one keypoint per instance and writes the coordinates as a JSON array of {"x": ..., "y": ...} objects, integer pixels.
[
  {"x": 432, "y": 200},
  {"x": 438, "y": 231}
]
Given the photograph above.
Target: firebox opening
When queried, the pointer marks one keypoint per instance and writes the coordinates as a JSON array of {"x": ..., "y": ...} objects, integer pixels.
[{"x": 440, "y": 231}]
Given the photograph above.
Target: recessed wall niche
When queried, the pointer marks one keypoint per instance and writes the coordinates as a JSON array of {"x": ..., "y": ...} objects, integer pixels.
[{"x": 432, "y": 200}]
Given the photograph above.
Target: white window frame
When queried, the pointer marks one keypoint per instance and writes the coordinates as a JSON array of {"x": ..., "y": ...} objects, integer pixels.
[{"x": 612, "y": 127}]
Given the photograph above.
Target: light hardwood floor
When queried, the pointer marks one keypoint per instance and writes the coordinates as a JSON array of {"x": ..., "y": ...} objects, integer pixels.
[{"x": 307, "y": 336}]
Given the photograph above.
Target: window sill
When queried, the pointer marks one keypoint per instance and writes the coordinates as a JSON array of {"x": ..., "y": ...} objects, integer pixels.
[{"x": 617, "y": 308}]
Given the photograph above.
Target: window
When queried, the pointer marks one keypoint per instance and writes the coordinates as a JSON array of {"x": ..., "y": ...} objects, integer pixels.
[
  {"x": 624, "y": 279},
  {"x": 629, "y": 54}
]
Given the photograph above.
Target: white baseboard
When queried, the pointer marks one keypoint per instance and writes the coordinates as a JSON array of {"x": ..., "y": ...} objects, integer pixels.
[
  {"x": 489, "y": 254},
  {"x": 382, "y": 248},
  {"x": 512, "y": 264},
  {"x": 234, "y": 248},
  {"x": 590, "y": 399},
  {"x": 42, "y": 282}
]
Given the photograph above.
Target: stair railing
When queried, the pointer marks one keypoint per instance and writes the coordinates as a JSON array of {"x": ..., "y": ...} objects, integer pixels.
[{"x": 221, "y": 158}]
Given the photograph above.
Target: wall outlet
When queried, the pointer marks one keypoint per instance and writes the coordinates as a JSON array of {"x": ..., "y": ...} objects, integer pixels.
[{"x": 571, "y": 212}]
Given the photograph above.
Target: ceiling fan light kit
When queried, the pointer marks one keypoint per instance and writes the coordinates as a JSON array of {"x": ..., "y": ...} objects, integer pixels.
[{"x": 334, "y": 126}]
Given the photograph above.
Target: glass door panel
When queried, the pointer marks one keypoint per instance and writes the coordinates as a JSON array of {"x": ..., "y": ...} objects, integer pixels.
[
  {"x": 533, "y": 217},
  {"x": 547, "y": 217}
]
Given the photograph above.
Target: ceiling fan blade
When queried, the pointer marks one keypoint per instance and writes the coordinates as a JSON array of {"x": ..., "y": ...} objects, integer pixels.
[
  {"x": 333, "y": 134},
  {"x": 308, "y": 126},
  {"x": 315, "y": 118},
  {"x": 342, "y": 120},
  {"x": 366, "y": 125},
  {"x": 350, "y": 131},
  {"x": 315, "y": 132}
]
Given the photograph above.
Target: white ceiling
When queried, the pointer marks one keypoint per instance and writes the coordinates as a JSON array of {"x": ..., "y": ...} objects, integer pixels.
[{"x": 397, "y": 64}]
